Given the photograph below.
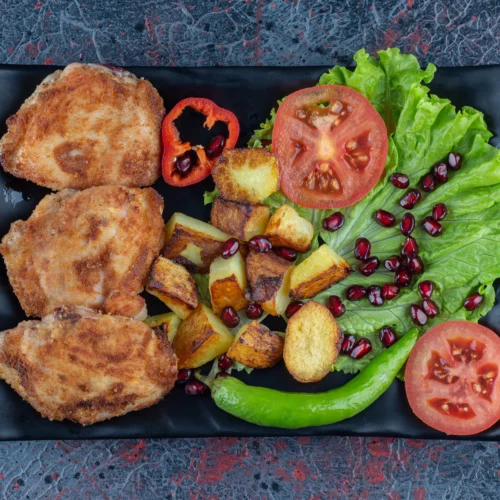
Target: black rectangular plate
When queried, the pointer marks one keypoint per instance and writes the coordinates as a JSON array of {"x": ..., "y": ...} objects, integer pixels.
[{"x": 250, "y": 93}]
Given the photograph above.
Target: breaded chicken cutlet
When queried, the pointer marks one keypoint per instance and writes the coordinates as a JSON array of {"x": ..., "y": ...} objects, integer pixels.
[
  {"x": 87, "y": 125},
  {"x": 83, "y": 366},
  {"x": 92, "y": 248}
]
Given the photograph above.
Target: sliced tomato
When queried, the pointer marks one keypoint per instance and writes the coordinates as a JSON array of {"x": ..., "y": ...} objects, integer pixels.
[
  {"x": 452, "y": 378},
  {"x": 331, "y": 144}
]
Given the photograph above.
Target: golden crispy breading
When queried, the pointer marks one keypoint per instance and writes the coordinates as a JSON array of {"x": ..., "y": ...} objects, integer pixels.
[
  {"x": 83, "y": 366},
  {"x": 92, "y": 248},
  {"x": 86, "y": 126}
]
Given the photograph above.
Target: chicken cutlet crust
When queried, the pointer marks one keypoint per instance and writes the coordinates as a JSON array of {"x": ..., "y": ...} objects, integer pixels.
[
  {"x": 86, "y": 367},
  {"x": 92, "y": 248},
  {"x": 86, "y": 126}
]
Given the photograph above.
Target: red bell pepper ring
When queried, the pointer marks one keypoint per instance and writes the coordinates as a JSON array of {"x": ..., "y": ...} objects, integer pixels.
[{"x": 173, "y": 147}]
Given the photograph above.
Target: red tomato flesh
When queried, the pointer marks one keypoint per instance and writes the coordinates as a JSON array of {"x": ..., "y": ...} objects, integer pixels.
[
  {"x": 331, "y": 144},
  {"x": 451, "y": 378}
]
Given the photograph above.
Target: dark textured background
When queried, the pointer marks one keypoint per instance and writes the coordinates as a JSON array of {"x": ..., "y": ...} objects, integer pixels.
[{"x": 246, "y": 32}]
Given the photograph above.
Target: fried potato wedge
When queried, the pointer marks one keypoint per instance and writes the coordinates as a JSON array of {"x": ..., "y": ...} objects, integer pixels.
[
  {"x": 286, "y": 228},
  {"x": 238, "y": 219},
  {"x": 228, "y": 283},
  {"x": 319, "y": 271},
  {"x": 256, "y": 346},
  {"x": 174, "y": 286},
  {"x": 311, "y": 343},
  {"x": 268, "y": 278},
  {"x": 246, "y": 175},
  {"x": 201, "y": 337},
  {"x": 167, "y": 323},
  {"x": 192, "y": 243}
]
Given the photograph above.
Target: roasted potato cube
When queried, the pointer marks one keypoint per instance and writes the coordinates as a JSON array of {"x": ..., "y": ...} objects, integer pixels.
[
  {"x": 167, "y": 323},
  {"x": 246, "y": 175},
  {"x": 242, "y": 221},
  {"x": 320, "y": 270},
  {"x": 201, "y": 337},
  {"x": 286, "y": 228},
  {"x": 228, "y": 283},
  {"x": 192, "y": 243},
  {"x": 256, "y": 346},
  {"x": 269, "y": 281},
  {"x": 311, "y": 343},
  {"x": 174, "y": 286}
]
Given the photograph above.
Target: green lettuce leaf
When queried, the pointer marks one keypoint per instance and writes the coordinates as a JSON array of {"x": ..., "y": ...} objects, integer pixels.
[{"x": 209, "y": 196}]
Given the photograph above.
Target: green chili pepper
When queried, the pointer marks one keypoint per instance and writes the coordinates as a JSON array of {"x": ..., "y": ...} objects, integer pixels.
[{"x": 269, "y": 407}]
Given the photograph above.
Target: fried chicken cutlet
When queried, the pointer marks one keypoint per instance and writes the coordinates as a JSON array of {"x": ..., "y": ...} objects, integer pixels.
[
  {"x": 87, "y": 125},
  {"x": 84, "y": 366},
  {"x": 92, "y": 248}
]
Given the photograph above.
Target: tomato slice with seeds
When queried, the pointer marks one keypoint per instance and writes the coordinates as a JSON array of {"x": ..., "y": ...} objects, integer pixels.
[
  {"x": 452, "y": 378},
  {"x": 331, "y": 144}
]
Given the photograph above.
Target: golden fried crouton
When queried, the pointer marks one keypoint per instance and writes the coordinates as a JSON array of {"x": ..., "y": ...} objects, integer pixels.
[
  {"x": 319, "y": 271},
  {"x": 168, "y": 323},
  {"x": 256, "y": 346},
  {"x": 238, "y": 219},
  {"x": 246, "y": 175},
  {"x": 192, "y": 243},
  {"x": 201, "y": 338},
  {"x": 269, "y": 281},
  {"x": 174, "y": 286},
  {"x": 311, "y": 343},
  {"x": 286, "y": 228},
  {"x": 228, "y": 283}
]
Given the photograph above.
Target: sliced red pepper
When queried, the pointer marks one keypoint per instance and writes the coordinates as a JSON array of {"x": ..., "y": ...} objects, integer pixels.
[{"x": 173, "y": 147}]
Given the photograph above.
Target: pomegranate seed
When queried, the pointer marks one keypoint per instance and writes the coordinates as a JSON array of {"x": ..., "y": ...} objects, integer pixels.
[
  {"x": 347, "y": 344},
  {"x": 185, "y": 162},
  {"x": 215, "y": 146},
  {"x": 410, "y": 199},
  {"x": 430, "y": 308},
  {"x": 369, "y": 266},
  {"x": 473, "y": 302},
  {"x": 375, "y": 298},
  {"x": 389, "y": 291},
  {"x": 230, "y": 317},
  {"x": 428, "y": 183},
  {"x": 260, "y": 244},
  {"x": 410, "y": 247},
  {"x": 266, "y": 142},
  {"x": 356, "y": 292},
  {"x": 384, "y": 218},
  {"x": 254, "y": 310},
  {"x": 454, "y": 161},
  {"x": 334, "y": 222},
  {"x": 336, "y": 306},
  {"x": 230, "y": 247},
  {"x": 407, "y": 224},
  {"x": 440, "y": 172},
  {"x": 222, "y": 374},
  {"x": 426, "y": 288},
  {"x": 387, "y": 336},
  {"x": 184, "y": 375},
  {"x": 393, "y": 263},
  {"x": 402, "y": 277},
  {"x": 417, "y": 315},
  {"x": 195, "y": 388},
  {"x": 415, "y": 265},
  {"x": 361, "y": 348},
  {"x": 400, "y": 181},
  {"x": 224, "y": 363},
  {"x": 287, "y": 253},
  {"x": 439, "y": 211},
  {"x": 293, "y": 307},
  {"x": 432, "y": 227},
  {"x": 362, "y": 249}
]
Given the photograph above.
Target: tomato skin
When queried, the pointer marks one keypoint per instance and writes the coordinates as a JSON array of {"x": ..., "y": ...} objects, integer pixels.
[
  {"x": 452, "y": 378},
  {"x": 333, "y": 156}
]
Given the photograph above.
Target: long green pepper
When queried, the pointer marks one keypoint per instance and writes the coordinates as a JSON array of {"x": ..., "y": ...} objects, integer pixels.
[{"x": 287, "y": 410}]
